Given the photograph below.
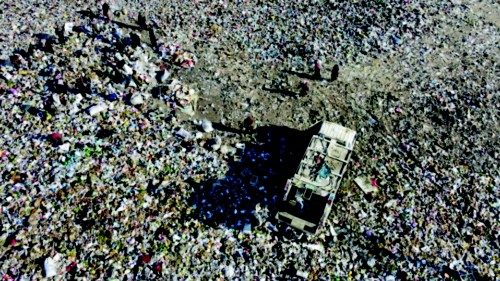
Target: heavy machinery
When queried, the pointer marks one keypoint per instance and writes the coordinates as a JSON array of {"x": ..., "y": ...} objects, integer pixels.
[{"x": 311, "y": 191}]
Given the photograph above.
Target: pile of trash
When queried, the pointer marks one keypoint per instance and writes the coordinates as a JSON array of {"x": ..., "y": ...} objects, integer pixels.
[
  {"x": 111, "y": 169},
  {"x": 90, "y": 113}
]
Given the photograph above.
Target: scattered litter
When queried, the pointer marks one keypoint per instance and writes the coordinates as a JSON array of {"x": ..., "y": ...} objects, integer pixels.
[
  {"x": 137, "y": 99},
  {"x": 51, "y": 266},
  {"x": 247, "y": 228},
  {"x": 365, "y": 185},
  {"x": 101, "y": 161},
  {"x": 206, "y": 126},
  {"x": 302, "y": 274},
  {"x": 96, "y": 109}
]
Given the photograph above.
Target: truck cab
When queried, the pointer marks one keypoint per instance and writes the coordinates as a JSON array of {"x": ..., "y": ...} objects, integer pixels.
[{"x": 311, "y": 191}]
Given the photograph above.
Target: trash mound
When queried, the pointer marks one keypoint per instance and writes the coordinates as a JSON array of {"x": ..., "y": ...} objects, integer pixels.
[
  {"x": 89, "y": 130},
  {"x": 94, "y": 66},
  {"x": 341, "y": 29},
  {"x": 102, "y": 178}
]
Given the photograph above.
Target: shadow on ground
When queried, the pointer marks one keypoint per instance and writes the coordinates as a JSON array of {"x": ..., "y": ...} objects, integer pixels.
[
  {"x": 304, "y": 75},
  {"x": 283, "y": 92},
  {"x": 257, "y": 177}
]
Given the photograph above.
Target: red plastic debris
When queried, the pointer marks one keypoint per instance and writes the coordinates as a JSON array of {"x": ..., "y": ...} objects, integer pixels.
[
  {"x": 145, "y": 259},
  {"x": 6, "y": 277},
  {"x": 55, "y": 138},
  {"x": 4, "y": 153},
  {"x": 71, "y": 266},
  {"x": 158, "y": 267}
]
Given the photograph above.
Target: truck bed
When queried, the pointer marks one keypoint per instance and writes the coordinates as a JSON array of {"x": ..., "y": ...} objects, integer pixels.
[{"x": 311, "y": 211}]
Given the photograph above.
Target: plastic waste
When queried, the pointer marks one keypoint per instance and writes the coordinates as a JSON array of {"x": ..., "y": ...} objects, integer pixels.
[
  {"x": 51, "y": 267},
  {"x": 96, "y": 109},
  {"x": 206, "y": 125},
  {"x": 137, "y": 99}
]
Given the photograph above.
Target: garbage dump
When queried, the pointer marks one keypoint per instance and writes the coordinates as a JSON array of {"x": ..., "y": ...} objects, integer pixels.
[{"x": 152, "y": 140}]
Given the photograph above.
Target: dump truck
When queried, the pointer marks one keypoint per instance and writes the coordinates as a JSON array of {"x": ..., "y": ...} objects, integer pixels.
[{"x": 311, "y": 191}]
